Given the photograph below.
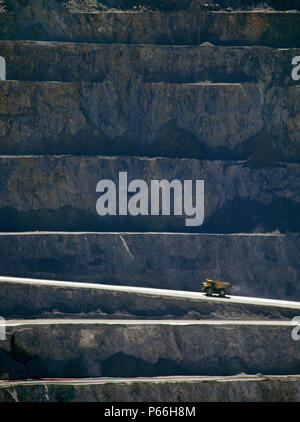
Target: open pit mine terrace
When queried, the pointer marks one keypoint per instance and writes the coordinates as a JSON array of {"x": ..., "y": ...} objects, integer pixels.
[
  {"x": 76, "y": 341},
  {"x": 178, "y": 95}
]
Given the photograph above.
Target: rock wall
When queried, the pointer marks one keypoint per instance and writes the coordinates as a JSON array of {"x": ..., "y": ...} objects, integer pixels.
[
  {"x": 136, "y": 63},
  {"x": 117, "y": 350},
  {"x": 152, "y": 5},
  {"x": 257, "y": 265},
  {"x": 37, "y": 22},
  {"x": 234, "y": 389},
  {"x": 115, "y": 87},
  {"x": 59, "y": 193}
]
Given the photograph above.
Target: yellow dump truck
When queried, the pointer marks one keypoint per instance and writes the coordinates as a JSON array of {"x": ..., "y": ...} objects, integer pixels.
[{"x": 211, "y": 287}]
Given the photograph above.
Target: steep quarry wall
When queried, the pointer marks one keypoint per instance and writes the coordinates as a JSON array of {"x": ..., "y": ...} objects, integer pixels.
[
  {"x": 197, "y": 389},
  {"x": 253, "y": 263},
  {"x": 232, "y": 107},
  {"x": 59, "y": 193},
  {"x": 182, "y": 92},
  {"x": 151, "y": 5},
  {"x": 70, "y": 62},
  {"x": 148, "y": 349},
  {"x": 162, "y": 119},
  {"x": 35, "y": 22}
]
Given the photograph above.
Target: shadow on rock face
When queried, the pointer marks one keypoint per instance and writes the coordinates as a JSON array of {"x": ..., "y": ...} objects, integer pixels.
[
  {"x": 240, "y": 215},
  {"x": 251, "y": 216},
  {"x": 177, "y": 142},
  {"x": 123, "y": 365}
]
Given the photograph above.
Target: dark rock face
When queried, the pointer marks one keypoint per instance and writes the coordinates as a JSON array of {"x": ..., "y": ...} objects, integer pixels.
[
  {"x": 147, "y": 350},
  {"x": 131, "y": 63},
  {"x": 164, "y": 119},
  {"x": 59, "y": 193},
  {"x": 224, "y": 114},
  {"x": 37, "y": 22},
  {"x": 262, "y": 266},
  {"x": 93, "y": 6},
  {"x": 253, "y": 389}
]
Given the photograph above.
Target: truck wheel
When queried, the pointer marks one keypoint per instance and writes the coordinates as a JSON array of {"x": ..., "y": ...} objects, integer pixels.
[
  {"x": 209, "y": 291},
  {"x": 222, "y": 293}
]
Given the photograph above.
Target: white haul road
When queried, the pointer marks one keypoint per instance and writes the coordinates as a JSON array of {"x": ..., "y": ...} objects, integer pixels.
[{"x": 153, "y": 292}]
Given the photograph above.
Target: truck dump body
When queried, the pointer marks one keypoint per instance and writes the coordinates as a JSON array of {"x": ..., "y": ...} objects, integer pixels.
[
  {"x": 215, "y": 286},
  {"x": 219, "y": 284}
]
